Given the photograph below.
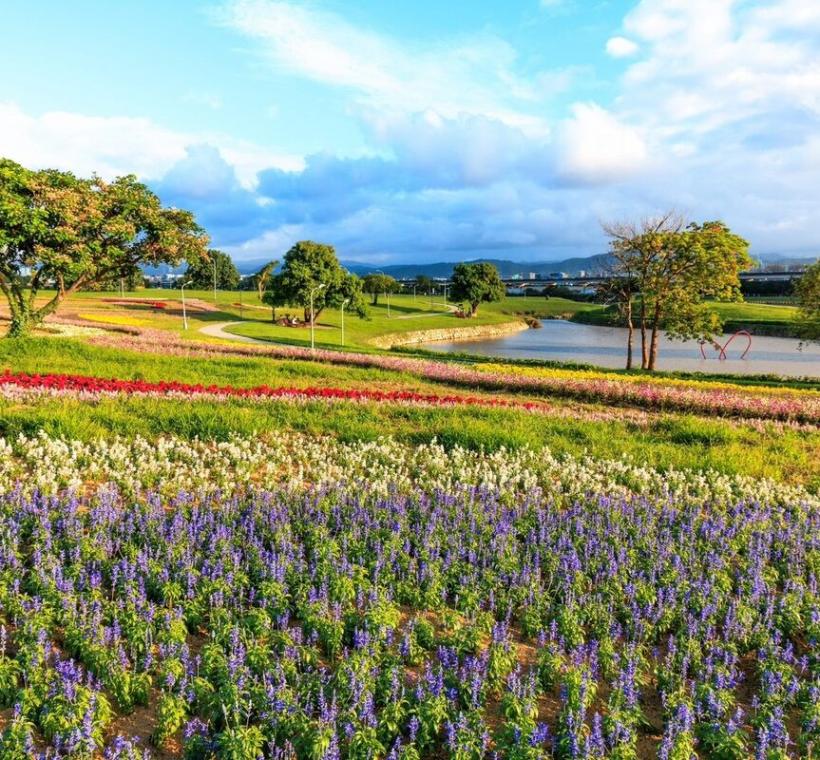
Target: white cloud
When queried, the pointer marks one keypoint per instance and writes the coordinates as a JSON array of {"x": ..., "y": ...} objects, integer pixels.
[
  {"x": 594, "y": 146},
  {"x": 621, "y": 47},
  {"x": 117, "y": 145},
  {"x": 475, "y": 74},
  {"x": 711, "y": 63},
  {"x": 84, "y": 144}
]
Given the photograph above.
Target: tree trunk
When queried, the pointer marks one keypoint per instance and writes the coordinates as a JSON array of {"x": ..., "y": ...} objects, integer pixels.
[
  {"x": 24, "y": 315},
  {"x": 644, "y": 348},
  {"x": 316, "y": 313},
  {"x": 375, "y": 299},
  {"x": 473, "y": 309},
  {"x": 629, "y": 335},
  {"x": 653, "y": 349},
  {"x": 21, "y": 322}
]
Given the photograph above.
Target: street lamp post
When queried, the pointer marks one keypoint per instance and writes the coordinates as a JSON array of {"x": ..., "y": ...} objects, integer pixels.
[
  {"x": 386, "y": 291},
  {"x": 312, "y": 318},
  {"x": 344, "y": 303},
  {"x": 184, "y": 313}
]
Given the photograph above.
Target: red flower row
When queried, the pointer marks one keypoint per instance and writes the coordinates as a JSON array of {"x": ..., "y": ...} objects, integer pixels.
[
  {"x": 136, "y": 302},
  {"x": 85, "y": 384}
]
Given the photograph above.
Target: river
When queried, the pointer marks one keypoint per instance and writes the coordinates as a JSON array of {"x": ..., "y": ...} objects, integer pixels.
[{"x": 559, "y": 340}]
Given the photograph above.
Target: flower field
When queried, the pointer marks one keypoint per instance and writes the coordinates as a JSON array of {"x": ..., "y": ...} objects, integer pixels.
[
  {"x": 301, "y": 597},
  {"x": 659, "y": 394}
]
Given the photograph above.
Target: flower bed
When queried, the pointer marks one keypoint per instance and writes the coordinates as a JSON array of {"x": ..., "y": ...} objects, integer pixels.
[
  {"x": 359, "y": 601},
  {"x": 136, "y": 302},
  {"x": 26, "y": 388},
  {"x": 91, "y": 386},
  {"x": 722, "y": 399}
]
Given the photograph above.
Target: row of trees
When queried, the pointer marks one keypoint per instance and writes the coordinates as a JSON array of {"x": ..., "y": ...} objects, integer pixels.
[{"x": 313, "y": 268}]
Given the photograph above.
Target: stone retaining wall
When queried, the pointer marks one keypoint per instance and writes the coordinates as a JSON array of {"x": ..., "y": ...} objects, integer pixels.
[{"x": 466, "y": 333}]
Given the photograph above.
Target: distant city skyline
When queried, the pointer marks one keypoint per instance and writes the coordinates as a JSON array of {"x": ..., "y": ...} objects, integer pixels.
[{"x": 425, "y": 132}]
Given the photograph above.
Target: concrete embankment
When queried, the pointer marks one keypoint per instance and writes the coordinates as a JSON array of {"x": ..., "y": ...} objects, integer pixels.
[{"x": 466, "y": 333}]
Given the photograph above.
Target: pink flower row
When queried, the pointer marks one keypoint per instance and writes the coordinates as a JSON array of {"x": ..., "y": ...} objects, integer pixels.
[{"x": 710, "y": 400}]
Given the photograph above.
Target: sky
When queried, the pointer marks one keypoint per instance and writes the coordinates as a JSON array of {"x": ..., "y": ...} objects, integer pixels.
[{"x": 412, "y": 131}]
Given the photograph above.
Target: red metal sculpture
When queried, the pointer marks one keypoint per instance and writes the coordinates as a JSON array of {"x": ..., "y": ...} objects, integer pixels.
[{"x": 722, "y": 349}]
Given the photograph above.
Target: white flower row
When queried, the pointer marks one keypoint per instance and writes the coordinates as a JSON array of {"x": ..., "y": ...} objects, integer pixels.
[{"x": 291, "y": 460}]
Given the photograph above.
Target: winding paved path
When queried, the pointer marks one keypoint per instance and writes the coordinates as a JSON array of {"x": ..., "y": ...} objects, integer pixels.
[{"x": 217, "y": 330}]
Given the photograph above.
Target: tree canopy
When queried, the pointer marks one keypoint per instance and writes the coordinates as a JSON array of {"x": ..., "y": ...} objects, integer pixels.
[
  {"x": 377, "y": 283},
  {"x": 808, "y": 294},
  {"x": 261, "y": 278},
  {"x": 475, "y": 284},
  {"x": 62, "y": 232},
  {"x": 306, "y": 266},
  {"x": 675, "y": 267},
  {"x": 201, "y": 271},
  {"x": 424, "y": 283}
]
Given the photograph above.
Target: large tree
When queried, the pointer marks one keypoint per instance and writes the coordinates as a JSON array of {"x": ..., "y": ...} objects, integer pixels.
[
  {"x": 424, "y": 283},
  {"x": 306, "y": 266},
  {"x": 808, "y": 294},
  {"x": 475, "y": 284},
  {"x": 377, "y": 283},
  {"x": 676, "y": 267},
  {"x": 201, "y": 271},
  {"x": 64, "y": 233}
]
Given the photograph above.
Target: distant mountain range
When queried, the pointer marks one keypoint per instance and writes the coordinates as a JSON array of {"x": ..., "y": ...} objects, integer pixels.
[
  {"x": 440, "y": 270},
  {"x": 443, "y": 269}
]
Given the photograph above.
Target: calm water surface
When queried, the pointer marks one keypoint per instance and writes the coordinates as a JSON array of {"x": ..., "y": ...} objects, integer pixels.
[{"x": 559, "y": 340}]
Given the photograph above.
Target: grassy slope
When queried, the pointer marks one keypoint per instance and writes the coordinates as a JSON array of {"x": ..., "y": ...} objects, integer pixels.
[
  {"x": 672, "y": 440},
  {"x": 407, "y": 314},
  {"x": 734, "y": 315}
]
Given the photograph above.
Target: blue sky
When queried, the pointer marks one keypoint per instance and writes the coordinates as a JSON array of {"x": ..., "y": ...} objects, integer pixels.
[{"x": 410, "y": 131}]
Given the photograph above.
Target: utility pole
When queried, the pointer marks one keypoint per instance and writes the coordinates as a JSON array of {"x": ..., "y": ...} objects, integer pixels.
[
  {"x": 184, "y": 313},
  {"x": 344, "y": 303}
]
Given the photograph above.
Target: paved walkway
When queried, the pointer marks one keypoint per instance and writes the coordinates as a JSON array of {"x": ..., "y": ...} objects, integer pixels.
[{"x": 217, "y": 330}]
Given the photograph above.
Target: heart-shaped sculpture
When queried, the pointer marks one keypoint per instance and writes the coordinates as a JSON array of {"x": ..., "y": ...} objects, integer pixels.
[{"x": 722, "y": 349}]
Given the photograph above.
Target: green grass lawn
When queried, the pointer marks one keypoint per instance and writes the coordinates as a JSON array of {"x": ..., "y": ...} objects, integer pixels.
[
  {"x": 405, "y": 315},
  {"x": 752, "y": 315}
]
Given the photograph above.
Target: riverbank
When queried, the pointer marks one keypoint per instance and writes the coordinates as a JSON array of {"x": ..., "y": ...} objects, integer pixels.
[
  {"x": 451, "y": 334},
  {"x": 602, "y": 346},
  {"x": 764, "y": 320}
]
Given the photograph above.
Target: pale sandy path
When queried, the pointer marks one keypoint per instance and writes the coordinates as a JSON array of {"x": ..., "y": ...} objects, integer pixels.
[{"x": 217, "y": 330}]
